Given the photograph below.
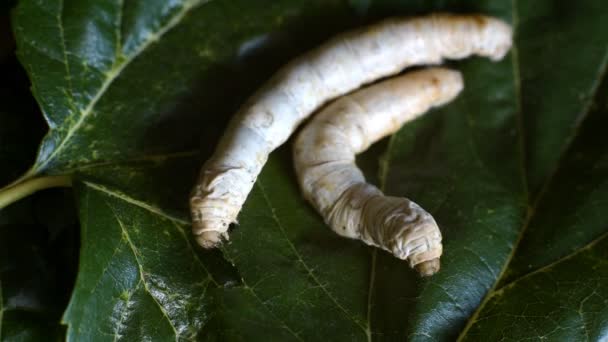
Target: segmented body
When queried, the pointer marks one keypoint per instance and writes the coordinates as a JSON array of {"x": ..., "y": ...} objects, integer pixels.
[
  {"x": 324, "y": 157},
  {"x": 337, "y": 67}
]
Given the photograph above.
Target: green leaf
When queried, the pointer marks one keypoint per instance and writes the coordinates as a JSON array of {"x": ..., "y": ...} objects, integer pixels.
[
  {"x": 555, "y": 286},
  {"x": 122, "y": 68},
  {"x": 561, "y": 93},
  {"x": 465, "y": 163},
  {"x": 37, "y": 235},
  {"x": 125, "y": 146},
  {"x": 139, "y": 275},
  {"x": 514, "y": 171}
]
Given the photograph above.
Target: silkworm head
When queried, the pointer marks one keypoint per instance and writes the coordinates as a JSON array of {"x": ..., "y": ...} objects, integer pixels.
[{"x": 428, "y": 268}]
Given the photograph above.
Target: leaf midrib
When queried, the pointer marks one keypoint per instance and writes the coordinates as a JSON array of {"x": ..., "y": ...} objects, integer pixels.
[
  {"x": 385, "y": 164},
  {"x": 552, "y": 264},
  {"x": 601, "y": 74},
  {"x": 382, "y": 176},
  {"x": 147, "y": 158},
  {"x": 142, "y": 274},
  {"x": 176, "y": 221},
  {"x": 124, "y": 312},
  {"x": 531, "y": 210},
  {"x": 66, "y": 61},
  {"x": 133, "y": 201},
  {"x": 112, "y": 74},
  {"x": 305, "y": 265},
  {"x": 517, "y": 87}
]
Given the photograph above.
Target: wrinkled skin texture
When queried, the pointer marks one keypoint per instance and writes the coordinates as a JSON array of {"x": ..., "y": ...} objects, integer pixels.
[
  {"x": 339, "y": 66},
  {"x": 324, "y": 157}
]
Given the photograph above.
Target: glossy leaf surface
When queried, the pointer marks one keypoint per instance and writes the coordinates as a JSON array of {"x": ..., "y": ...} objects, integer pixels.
[{"x": 137, "y": 93}]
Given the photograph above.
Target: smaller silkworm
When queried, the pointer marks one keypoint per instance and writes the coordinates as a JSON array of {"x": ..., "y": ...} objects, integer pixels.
[{"x": 324, "y": 157}]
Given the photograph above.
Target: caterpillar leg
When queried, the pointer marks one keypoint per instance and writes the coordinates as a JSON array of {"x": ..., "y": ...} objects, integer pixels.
[{"x": 324, "y": 156}]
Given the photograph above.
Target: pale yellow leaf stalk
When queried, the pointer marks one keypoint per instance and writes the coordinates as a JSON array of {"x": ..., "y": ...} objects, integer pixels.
[
  {"x": 324, "y": 157},
  {"x": 337, "y": 67},
  {"x": 27, "y": 186}
]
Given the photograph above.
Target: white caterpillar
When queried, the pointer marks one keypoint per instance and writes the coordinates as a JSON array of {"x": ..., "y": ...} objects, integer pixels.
[
  {"x": 302, "y": 86},
  {"x": 324, "y": 157}
]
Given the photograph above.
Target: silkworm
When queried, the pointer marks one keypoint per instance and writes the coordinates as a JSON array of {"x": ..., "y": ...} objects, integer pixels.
[
  {"x": 324, "y": 157},
  {"x": 337, "y": 67}
]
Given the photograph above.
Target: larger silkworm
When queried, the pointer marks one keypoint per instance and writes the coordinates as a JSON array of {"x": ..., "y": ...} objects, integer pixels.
[
  {"x": 324, "y": 157},
  {"x": 339, "y": 66}
]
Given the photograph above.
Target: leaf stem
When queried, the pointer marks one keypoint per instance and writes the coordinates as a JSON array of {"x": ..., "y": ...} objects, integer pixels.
[{"x": 28, "y": 186}]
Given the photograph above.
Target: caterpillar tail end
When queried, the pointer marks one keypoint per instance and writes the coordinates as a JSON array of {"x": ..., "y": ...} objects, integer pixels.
[{"x": 428, "y": 268}]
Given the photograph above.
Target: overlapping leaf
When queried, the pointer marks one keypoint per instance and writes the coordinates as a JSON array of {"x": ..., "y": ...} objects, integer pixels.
[
  {"x": 37, "y": 248},
  {"x": 122, "y": 94},
  {"x": 129, "y": 87}
]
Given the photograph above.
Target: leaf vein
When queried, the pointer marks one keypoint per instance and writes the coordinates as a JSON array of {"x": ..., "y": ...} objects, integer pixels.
[
  {"x": 450, "y": 296},
  {"x": 66, "y": 61},
  {"x": 287, "y": 327},
  {"x": 118, "y": 30},
  {"x": 124, "y": 312},
  {"x": 304, "y": 264},
  {"x": 42, "y": 51},
  {"x": 115, "y": 71},
  {"x": 142, "y": 275},
  {"x": 107, "y": 266},
  {"x": 556, "y": 262},
  {"x": 143, "y": 205},
  {"x": 483, "y": 261},
  {"x": 489, "y": 293},
  {"x": 194, "y": 254},
  {"x": 152, "y": 158},
  {"x": 601, "y": 74}
]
